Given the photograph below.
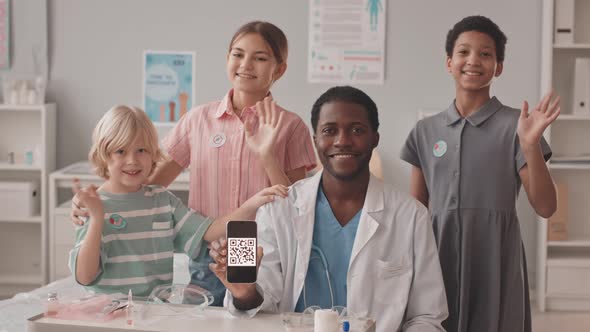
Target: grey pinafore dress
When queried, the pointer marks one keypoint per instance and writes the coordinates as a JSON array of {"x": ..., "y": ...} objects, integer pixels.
[{"x": 471, "y": 171}]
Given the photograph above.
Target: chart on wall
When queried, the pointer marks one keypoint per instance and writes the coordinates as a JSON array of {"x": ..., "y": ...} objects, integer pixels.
[
  {"x": 346, "y": 41},
  {"x": 4, "y": 34},
  {"x": 168, "y": 84}
]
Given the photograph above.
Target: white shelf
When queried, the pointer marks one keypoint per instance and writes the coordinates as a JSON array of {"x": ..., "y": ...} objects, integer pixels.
[
  {"x": 26, "y": 127},
  {"x": 19, "y": 167},
  {"x": 21, "y": 279},
  {"x": 563, "y": 267},
  {"x": 568, "y": 296},
  {"x": 573, "y": 241},
  {"x": 573, "y": 117},
  {"x": 26, "y": 108},
  {"x": 62, "y": 211},
  {"x": 30, "y": 220},
  {"x": 564, "y": 261},
  {"x": 569, "y": 166},
  {"x": 572, "y": 46}
]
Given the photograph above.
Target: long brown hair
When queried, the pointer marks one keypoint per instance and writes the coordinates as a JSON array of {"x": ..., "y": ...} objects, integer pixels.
[{"x": 272, "y": 35}]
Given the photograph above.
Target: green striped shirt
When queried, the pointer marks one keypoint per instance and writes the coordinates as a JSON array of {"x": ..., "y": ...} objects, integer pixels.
[{"x": 141, "y": 232}]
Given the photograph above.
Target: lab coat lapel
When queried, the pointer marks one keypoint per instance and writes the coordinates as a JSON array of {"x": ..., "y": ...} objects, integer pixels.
[
  {"x": 371, "y": 217},
  {"x": 304, "y": 201}
]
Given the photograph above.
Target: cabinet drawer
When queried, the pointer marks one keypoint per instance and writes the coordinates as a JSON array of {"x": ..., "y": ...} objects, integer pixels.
[{"x": 568, "y": 277}]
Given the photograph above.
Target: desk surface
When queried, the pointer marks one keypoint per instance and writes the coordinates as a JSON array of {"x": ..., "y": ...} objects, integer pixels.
[{"x": 212, "y": 319}]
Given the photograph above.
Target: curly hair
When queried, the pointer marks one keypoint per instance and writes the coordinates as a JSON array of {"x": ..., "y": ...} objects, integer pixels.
[
  {"x": 480, "y": 24},
  {"x": 347, "y": 94}
]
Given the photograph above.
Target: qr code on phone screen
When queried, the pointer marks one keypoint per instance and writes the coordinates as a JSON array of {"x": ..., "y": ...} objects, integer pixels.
[{"x": 241, "y": 252}]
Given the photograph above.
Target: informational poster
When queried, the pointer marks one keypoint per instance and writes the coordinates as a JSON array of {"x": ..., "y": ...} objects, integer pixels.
[
  {"x": 347, "y": 41},
  {"x": 4, "y": 34},
  {"x": 168, "y": 84}
]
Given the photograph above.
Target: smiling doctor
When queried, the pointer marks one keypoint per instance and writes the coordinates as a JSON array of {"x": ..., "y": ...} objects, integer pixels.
[{"x": 343, "y": 237}]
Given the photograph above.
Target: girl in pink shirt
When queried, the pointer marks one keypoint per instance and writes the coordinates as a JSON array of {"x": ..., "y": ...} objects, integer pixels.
[{"x": 241, "y": 144}]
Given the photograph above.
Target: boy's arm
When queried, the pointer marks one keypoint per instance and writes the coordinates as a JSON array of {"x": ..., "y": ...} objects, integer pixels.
[
  {"x": 87, "y": 260},
  {"x": 189, "y": 227},
  {"x": 246, "y": 211}
]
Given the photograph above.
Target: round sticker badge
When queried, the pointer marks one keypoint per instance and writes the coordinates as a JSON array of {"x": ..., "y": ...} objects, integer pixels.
[
  {"x": 117, "y": 222},
  {"x": 217, "y": 140},
  {"x": 439, "y": 149}
]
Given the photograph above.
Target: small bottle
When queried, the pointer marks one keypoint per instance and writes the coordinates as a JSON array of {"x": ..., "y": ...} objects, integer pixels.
[
  {"x": 51, "y": 305},
  {"x": 40, "y": 90},
  {"x": 129, "y": 309},
  {"x": 345, "y": 326}
]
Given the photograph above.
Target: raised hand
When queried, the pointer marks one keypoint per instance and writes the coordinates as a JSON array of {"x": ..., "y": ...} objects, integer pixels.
[
  {"x": 88, "y": 197},
  {"x": 77, "y": 214},
  {"x": 261, "y": 141},
  {"x": 531, "y": 125}
]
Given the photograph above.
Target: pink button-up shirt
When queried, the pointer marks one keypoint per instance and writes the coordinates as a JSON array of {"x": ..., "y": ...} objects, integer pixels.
[{"x": 210, "y": 140}]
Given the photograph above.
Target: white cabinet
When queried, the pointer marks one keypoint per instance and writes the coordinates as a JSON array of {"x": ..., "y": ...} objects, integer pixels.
[
  {"x": 27, "y": 156},
  {"x": 61, "y": 229},
  {"x": 563, "y": 266}
]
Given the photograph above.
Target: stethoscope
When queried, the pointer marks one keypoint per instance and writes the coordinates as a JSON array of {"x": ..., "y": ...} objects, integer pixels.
[{"x": 322, "y": 258}]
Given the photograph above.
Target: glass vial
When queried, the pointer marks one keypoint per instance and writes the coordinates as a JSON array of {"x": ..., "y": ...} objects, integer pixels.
[{"x": 51, "y": 305}]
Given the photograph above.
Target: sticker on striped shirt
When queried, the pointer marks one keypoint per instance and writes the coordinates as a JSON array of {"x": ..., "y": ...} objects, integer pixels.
[
  {"x": 117, "y": 222},
  {"x": 217, "y": 140}
]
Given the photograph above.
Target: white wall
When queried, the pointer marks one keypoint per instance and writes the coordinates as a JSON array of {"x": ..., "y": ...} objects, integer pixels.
[
  {"x": 96, "y": 49},
  {"x": 28, "y": 37}
]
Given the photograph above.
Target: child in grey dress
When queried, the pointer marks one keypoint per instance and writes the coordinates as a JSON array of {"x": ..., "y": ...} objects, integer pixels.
[{"x": 468, "y": 166}]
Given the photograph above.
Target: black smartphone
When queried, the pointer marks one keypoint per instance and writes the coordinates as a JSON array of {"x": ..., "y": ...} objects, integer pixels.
[{"x": 241, "y": 251}]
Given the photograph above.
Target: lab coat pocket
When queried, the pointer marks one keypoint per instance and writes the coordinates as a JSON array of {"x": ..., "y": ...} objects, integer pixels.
[{"x": 393, "y": 280}]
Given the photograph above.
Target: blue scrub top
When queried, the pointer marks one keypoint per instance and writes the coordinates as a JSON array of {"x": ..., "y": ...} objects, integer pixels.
[{"x": 335, "y": 242}]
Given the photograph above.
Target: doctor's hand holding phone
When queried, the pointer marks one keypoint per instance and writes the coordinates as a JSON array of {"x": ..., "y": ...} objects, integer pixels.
[
  {"x": 241, "y": 251},
  {"x": 237, "y": 259}
]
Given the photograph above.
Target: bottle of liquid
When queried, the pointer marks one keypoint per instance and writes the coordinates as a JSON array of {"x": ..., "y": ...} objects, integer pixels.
[
  {"x": 345, "y": 326},
  {"x": 51, "y": 305},
  {"x": 129, "y": 310}
]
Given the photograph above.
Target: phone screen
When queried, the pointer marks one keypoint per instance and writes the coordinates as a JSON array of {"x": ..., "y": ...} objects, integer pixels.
[{"x": 241, "y": 251}]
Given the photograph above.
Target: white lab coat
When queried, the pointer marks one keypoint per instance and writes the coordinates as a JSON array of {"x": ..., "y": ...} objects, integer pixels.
[{"x": 394, "y": 274}]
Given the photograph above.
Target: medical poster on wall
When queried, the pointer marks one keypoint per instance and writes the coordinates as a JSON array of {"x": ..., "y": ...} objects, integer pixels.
[
  {"x": 4, "y": 34},
  {"x": 346, "y": 41},
  {"x": 168, "y": 84}
]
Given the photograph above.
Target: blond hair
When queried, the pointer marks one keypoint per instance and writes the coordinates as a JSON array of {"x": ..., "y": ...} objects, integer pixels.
[{"x": 118, "y": 128}]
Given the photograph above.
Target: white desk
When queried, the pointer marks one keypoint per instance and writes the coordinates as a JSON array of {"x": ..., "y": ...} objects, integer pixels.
[
  {"x": 61, "y": 231},
  {"x": 213, "y": 319}
]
